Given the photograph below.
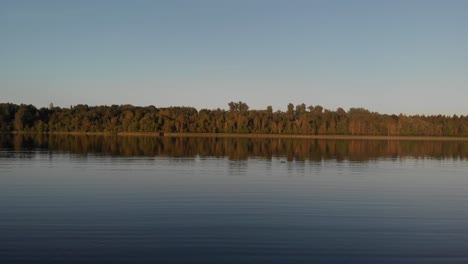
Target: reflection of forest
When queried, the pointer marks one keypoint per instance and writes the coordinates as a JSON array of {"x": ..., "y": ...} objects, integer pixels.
[{"x": 238, "y": 148}]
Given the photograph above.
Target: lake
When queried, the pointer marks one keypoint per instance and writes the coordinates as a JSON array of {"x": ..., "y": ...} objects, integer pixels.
[{"x": 99, "y": 199}]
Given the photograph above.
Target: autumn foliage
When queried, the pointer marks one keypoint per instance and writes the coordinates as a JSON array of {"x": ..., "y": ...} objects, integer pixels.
[{"x": 299, "y": 119}]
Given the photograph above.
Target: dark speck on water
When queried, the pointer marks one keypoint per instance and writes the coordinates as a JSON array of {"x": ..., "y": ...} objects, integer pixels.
[{"x": 95, "y": 199}]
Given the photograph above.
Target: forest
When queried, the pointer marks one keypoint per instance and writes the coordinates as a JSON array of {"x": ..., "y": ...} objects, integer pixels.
[{"x": 238, "y": 118}]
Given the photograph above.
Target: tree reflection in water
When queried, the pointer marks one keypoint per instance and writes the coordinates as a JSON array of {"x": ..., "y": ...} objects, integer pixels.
[{"x": 237, "y": 148}]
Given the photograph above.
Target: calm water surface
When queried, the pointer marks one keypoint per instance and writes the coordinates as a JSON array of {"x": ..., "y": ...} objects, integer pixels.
[{"x": 83, "y": 199}]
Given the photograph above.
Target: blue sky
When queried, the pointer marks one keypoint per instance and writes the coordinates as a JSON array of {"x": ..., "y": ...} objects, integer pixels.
[{"x": 388, "y": 56}]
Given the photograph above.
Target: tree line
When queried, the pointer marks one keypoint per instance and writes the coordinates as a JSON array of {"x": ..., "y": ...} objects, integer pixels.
[{"x": 238, "y": 118}]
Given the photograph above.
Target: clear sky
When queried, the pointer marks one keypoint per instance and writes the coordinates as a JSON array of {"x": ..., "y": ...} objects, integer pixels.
[{"x": 388, "y": 56}]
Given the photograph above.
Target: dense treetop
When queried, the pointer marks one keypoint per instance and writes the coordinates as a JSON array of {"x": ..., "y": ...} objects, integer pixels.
[{"x": 299, "y": 119}]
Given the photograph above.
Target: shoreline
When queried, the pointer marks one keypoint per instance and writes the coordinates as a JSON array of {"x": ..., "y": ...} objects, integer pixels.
[{"x": 271, "y": 136}]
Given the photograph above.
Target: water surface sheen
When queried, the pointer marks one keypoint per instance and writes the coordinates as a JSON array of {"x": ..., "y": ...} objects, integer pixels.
[{"x": 149, "y": 200}]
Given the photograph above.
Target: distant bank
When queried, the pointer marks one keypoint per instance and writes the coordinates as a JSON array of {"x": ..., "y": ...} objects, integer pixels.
[
  {"x": 234, "y": 135},
  {"x": 301, "y": 120}
]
